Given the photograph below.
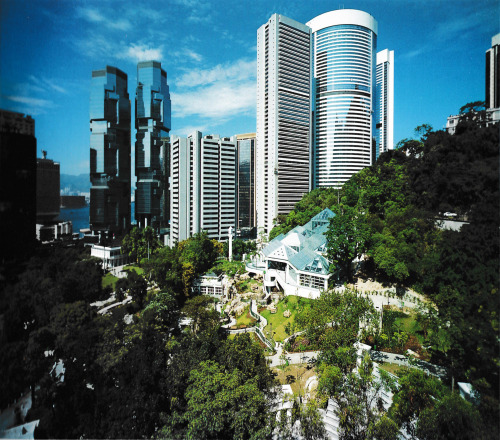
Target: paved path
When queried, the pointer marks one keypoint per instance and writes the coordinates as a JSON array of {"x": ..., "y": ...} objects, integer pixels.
[
  {"x": 399, "y": 359},
  {"x": 293, "y": 358}
]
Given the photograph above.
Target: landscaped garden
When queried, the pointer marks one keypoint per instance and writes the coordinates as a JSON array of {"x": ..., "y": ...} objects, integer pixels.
[
  {"x": 245, "y": 319},
  {"x": 295, "y": 375},
  {"x": 109, "y": 280},
  {"x": 137, "y": 269},
  {"x": 401, "y": 332},
  {"x": 281, "y": 326}
]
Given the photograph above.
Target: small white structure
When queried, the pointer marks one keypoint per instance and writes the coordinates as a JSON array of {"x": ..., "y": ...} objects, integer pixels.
[
  {"x": 51, "y": 232},
  {"x": 110, "y": 256},
  {"x": 209, "y": 284}
]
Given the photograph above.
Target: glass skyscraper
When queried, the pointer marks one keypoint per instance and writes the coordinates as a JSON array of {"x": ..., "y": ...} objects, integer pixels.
[
  {"x": 109, "y": 151},
  {"x": 245, "y": 181},
  {"x": 344, "y": 44},
  {"x": 152, "y": 121}
]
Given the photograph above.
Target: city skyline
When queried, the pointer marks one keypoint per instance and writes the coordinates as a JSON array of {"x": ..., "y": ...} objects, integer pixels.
[{"x": 209, "y": 50}]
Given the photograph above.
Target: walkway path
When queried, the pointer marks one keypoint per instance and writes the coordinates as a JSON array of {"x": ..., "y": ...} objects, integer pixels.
[{"x": 399, "y": 359}]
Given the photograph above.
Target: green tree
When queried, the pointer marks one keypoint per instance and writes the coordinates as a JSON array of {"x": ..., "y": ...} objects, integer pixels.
[
  {"x": 140, "y": 244},
  {"x": 222, "y": 404},
  {"x": 137, "y": 287},
  {"x": 451, "y": 418},
  {"x": 346, "y": 238}
]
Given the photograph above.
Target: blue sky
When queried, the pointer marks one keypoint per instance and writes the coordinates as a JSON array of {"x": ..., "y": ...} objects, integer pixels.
[{"x": 48, "y": 49}]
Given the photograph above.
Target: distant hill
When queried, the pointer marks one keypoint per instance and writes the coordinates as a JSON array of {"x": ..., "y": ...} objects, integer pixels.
[{"x": 75, "y": 184}]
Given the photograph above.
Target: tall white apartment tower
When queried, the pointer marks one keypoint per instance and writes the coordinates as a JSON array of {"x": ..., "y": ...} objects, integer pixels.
[
  {"x": 283, "y": 117},
  {"x": 344, "y": 51},
  {"x": 202, "y": 186},
  {"x": 384, "y": 102},
  {"x": 492, "y": 94}
]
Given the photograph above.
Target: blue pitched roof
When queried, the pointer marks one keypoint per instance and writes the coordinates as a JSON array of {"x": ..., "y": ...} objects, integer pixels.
[{"x": 309, "y": 261}]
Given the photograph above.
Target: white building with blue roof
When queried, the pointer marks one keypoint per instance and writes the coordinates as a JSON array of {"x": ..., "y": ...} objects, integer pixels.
[{"x": 296, "y": 262}]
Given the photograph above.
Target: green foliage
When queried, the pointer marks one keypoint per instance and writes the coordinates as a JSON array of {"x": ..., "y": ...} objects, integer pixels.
[
  {"x": 140, "y": 244},
  {"x": 416, "y": 392},
  {"x": 230, "y": 268},
  {"x": 333, "y": 323},
  {"x": 240, "y": 247},
  {"x": 451, "y": 418},
  {"x": 223, "y": 404},
  {"x": 346, "y": 238},
  {"x": 311, "y": 204}
]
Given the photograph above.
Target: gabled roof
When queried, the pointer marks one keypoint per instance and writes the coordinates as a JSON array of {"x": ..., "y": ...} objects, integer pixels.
[
  {"x": 294, "y": 239},
  {"x": 278, "y": 250},
  {"x": 278, "y": 238},
  {"x": 314, "y": 242},
  {"x": 323, "y": 216},
  {"x": 309, "y": 261}
]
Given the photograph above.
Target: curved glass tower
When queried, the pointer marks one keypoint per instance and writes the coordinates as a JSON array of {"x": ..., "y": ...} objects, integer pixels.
[{"x": 344, "y": 54}]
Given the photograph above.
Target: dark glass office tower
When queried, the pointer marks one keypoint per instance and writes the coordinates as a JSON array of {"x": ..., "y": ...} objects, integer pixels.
[
  {"x": 17, "y": 186},
  {"x": 245, "y": 178},
  {"x": 152, "y": 121},
  {"x": 109, "y": 151}
]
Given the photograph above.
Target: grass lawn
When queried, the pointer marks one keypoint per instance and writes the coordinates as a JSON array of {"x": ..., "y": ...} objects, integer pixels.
[
  {"x": 137, "y": 269},
  {"x": 295, "y": 370},
  {"x": 245, "y": 319},
  {"x": 245, "y": 285},
  {"x": 390, "y": 368},
  {"x": 109, "y": 280},
  {"x": 295, "y": 304},
  {"x": 410, "y": 326}
]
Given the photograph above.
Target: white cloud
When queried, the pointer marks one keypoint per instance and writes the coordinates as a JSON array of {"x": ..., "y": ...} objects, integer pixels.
[
  {"x": 217, "y": 101},
  {"x": 189, "y": 129},
  {"x": 141, "y": 52},
  {"x": 221, "y": 92},
  {"x": 92, "y": 15},
  {"x": 241, "y": 70},
  {"x": 42, "y": 84}
]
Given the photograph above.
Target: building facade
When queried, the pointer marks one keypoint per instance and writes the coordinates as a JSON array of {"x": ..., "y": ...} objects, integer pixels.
[
  {"x": 48, "y": 199},
  {"x": 153, "y": 123},
  {"x": 109, "y": 151},
  {"x": 384, "y": 102},
  {"x": 246, "y": 214},
  {"x": 202, "y": 186},
  {"x": 344, "y": 45},
  {"x": 283, "y": 135},
  {"x": 492, "y": 93},
  {"x": 17, "y": 185}
]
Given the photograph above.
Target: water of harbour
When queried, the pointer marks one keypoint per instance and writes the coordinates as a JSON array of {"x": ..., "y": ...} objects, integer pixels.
[{"x": 80, "y": 216}]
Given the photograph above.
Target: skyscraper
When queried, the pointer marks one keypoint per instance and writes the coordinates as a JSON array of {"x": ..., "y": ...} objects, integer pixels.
[
  {"x": 202, "y": 186},
  {"x": 48, "y": 201},
  {"x": 384, "y": 102},
  {"x": 344, "y": 44},
  {"x": 283, "y": 117},
  {"x": 153, "y": 122},
  {"x": 493, "y": 74},
  {"x": 17, "y": 185},
  {"x": 245, "y": 182},
  {"x": 109, "y": 151}
]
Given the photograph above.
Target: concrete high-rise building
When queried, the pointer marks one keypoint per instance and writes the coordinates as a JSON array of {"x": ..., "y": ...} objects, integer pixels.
[
  {"x": 153, "y": 123},
  {"x": 17, "y": 185},
  {"x": 344, "y": 48},
  {"x": 109, "y": 151},
  {"x": 492, "y": 94},
  {"x": 48, "y": 199},
  {"x": 384, "y": 102},
  {"x": 283, "y": 117},
  {"x": 245, "y": 182},
  {"x": 202, "y": 186}
]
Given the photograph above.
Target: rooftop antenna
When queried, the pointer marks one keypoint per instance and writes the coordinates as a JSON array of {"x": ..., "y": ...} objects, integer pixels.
[{"x": 44, "y": 154}]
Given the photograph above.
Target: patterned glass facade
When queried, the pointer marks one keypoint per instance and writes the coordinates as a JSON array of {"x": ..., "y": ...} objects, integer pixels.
[
  {"x": 245, "y": 202},
  {"x": 153, "y": 116},
  {"x": 344, "y": 67},
  {"x": 109, "y": 151}
]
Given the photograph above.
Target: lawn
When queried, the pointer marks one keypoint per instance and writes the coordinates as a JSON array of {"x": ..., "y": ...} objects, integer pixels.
[
  {"x": 277, "y": 321},
  {"x": 408, "y": 323},
  {"x": 137, "y": 269},
  {"x": 390, "y": 368},
  {"x": 245, "y": 285},
  {"x": 109, "y": 280},
  {"x": 296, "y": 375},
  {"x": 245, "y": 319}
]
